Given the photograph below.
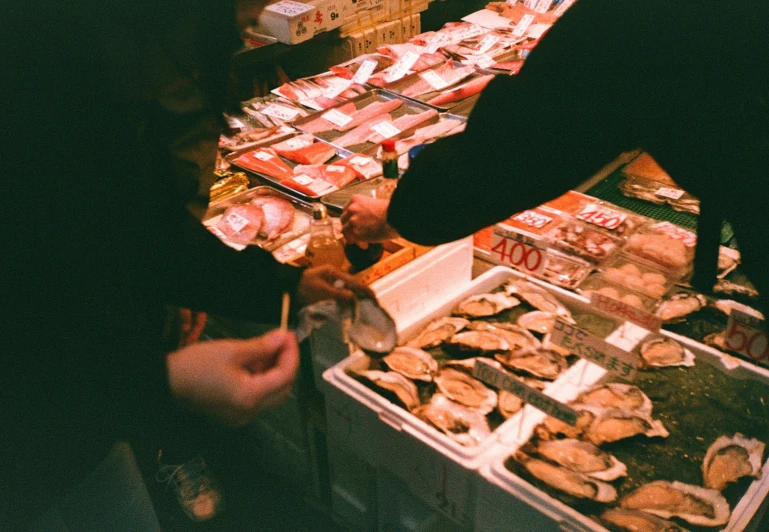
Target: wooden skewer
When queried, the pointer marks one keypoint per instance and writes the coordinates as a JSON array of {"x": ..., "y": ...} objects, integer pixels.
[{"x": 284, "y": 312}]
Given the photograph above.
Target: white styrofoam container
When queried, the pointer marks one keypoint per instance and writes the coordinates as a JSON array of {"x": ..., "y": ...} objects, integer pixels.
[
  {"x": 507, "y": 502},
  {"x": 435, "y": 468},
  {"x": 292, "y": 22}
]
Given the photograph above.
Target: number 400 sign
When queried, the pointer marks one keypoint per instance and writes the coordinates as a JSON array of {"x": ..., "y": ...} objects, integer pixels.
[{"x": 519, "y": 251}]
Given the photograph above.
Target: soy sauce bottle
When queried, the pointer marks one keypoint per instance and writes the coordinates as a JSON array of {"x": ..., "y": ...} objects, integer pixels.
[
  {"x": 323, "y": 247},
  {"x": 363, "y": 258}
]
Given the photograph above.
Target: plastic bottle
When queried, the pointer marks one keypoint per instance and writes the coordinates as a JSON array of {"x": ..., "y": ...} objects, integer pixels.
[{"x": 323, "y": 247}]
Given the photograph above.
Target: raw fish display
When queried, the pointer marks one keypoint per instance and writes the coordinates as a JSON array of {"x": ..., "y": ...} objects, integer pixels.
[
  {"x": 404, "y": 123},
  {"x": 336, "y": 174},
  {"x": 448, "y": 73},
  {"x": 365, "y": 167},
  {"x": 370, "y": 111},
  {"x": 433, "y": 131},
  {"x": 241, "y": 223},
  {"x": 278, "y": 215},
  {"x": 470, "y": 88},
  {"x": 363, "y": 132},
  {"x": 264, "y": 161},
  {"x": 313, "y": 153},
  {"x": 320, "y": 124}
]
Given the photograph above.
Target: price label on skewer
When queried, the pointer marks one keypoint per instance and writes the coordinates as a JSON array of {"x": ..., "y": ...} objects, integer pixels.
[
  {"x": 533, "y": 219},
  {"x": 676, "y": 233},
  {"x": 601, "y": 216},
  {"x": 585, "y": 345},
  {"x": 522, "y": 252},
  {"x": 281, "y": 112},
  {"x": 404, "y": 64},
  {"x": 434, "y": 79},
  {"x": 337, "y": 117},
  {"x": 746, "y": 335},
  {"x": 364, "y": 71},
  {"x": 487, "y": 373},
  {"x": 386, "y": 129},
  {"x": 523, "y": 25}
]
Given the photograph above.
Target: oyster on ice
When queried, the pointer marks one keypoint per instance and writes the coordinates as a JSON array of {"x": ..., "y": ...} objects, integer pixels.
[
  {"x": 694, "y": 504},
  {"x": 539, "y": 298},
  {"x": 395, "y": 383},
  {"x": 616, "y": 395},
  {"x": 412, "y": 363},
  {"x": 638, "y": 521},
  {"x": 518, "y": 338},
  {"x": 508, "y": 404},
  {"x": 614, "y": 424},
  {"x": 537, "y": 321},
  {"x": 661, "y": 352},
  {"x": 479, "y": 342},
  {"x": 467, "y": 427},
  {"x": 540, "y": 363},
  {"x": 729, "y": 459},
  {"x": 552, "y": 428},
  {"x": 438, "y": 331},
  {"x": 485, "y": 305},
  {"x": 566, "y": 480},
  {"x": 676, "y": 308},
  {"x": 582, "y": 457},
  {"x": 466, "y": 390},
  {"x": 727, "y": 305}
]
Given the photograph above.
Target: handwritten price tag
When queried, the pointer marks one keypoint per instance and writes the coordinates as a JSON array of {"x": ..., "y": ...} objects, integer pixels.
[
  {"x": 337, "y": 117},
  {"x": 519, "y": 251},
  {"x": 360, "y": 160},
  {"x": 670, "y": 193},
  {"x": 620, "y": 309},
  {"x": 601, "y": 216},
  {"x": 523, "y": 25},
  {"x": 403, "y": 65},
  {"x": 746, "y": 335},
  {"x": 560, "y": 10},
  {"x": 441, "y": 39},
  {"x": 386, "y": 129},
  {"x": 585, "y": 345},
  {"x": 263, "y": 155},
  {"x": 485, "y": 61},
  {"x": 289, "y": 8},
  {"x": 543, "y": 6},
  {"x": 487, "y": 373},
  {"x": 487, "y": 43},
  {"x": 364, "y": 71},
  {"x": 434, "y": 79},
  {"x": 469, "y": 33},
  {"x": 533, "y": 219},
  {"x": 286, "y": 114},
  {"x": 676, "y": 233}
]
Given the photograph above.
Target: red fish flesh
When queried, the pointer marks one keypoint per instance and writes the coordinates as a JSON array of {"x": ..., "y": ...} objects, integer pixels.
[
  {"x": 320, "y": 124},
  {"x": 470, "y": 88},
  {"x": 310, "y": 186},
  {"x": 360, "y": 134},
  {"x": 430, "y": 132},
  {"x": 241, "y": 223},
  {"x": 370, "y": 111},
  {"x": 264, "y": 161},
  {"x": 404, "y": 123},
  {"x": 312, "y": 153},
  {"x": 365, "y": 167},
  {"x": 447, "y": 72},
  {"x": 348, "y": 70},
  {"x": 278, "y": 215},
  {"x": 335, "y": 174}
]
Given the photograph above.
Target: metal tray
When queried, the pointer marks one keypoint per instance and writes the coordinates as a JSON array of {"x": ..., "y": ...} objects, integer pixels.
[{"x": 337, "y": 200}]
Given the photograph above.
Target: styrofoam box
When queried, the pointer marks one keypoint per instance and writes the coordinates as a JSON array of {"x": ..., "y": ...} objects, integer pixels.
[
  {"x": 292, "y": 22},
  {"x": 435, "y": 468},
  {"x": 507, "y": 502}
]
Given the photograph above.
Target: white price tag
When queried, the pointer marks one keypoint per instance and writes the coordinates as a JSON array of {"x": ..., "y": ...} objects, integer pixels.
[
  {"x": 434, "y": 79},
  {"x": 236, "y": 221},
  {"x": 468, "y": 33},
  {"x": 364, "y": 71},
  {"x": 336, "y": 88},
  {"x": 601, "y": 216},
  {"x": 560, "y": 10},
  {"x": 281, "y": 112},
  {"x": 487, "y": 43},
  {"x": 523, "y": 25},
  {"x": 298, "y": 143},
  {"x": 290, "y": 8},
  {"x": 263, "y": 155},
  {"x": 386, "y": 129},
  {"x": 585, "y": 345},
  {"x": 521, "y": 252},
  {"x": 337, "y": 117},
  {"x": 543, "y": 6},
  {"x": 533, "y": 219},
  {"x": 677, "y": 233},
  {"x": 359, "y": 160},
  {"x": 441, "y": 39},
  {"x": 303, "y": 179},
  {"x": 404, "y": 64},
  {"x": 670, "y": 193},
  {"x": 335, "y": 168},
  {"x": 746, "y": 335},
  {"x": 620, "y": 309},
  {"x": 234, "y": 123},
  {"x": 530, "y": 3},
  {"x": 485, "y": 61}
]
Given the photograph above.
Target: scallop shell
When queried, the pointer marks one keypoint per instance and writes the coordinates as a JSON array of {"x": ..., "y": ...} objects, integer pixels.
[
  {"x": 582, "y": 457},
  {"x": 395, "y": 383},
  {"x": 464, "y": 425},
  {"x": 614, "y": 424},
  {"x": 729, "y": 459},
  {"x": 438, "y": 331},
  {"x": 636, "y": 520},
  {"x": 616, "y": 395},
  {"x": 540, "y": 363},
  {"x": 466, "y": 390},
  {"x": 479, "y": 342},
  {"x": 566, "y": 480},
  {"x": 662, "y": 352},
  {"x": 539, "y": 298},
  {"x": 518, "y": 338},
  {"x": 485, "y": 305},
  {"x": 694, "y": 504},
  {"x": 508, "y": 404},
  {"x": 676, "y": 308},
  {"x": 538, "y": 321},
  {"x": 412, "y": 363}
]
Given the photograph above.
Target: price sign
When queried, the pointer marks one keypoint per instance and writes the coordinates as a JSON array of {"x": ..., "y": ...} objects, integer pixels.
[
  {"x": 336, "y": 168},
  {"x": 533, "y": 219},
  {"x": 487, "y": 373},
  {"x": 523, "y": 25},
  {"x": 336, "y": 88},
  {"x": 487, "y": 43},
  {"x": 263, "y": 155},
  {"x": 434, "y": 79},
  {"x": 404, "y": 64},
  {"x": 746, "y": 335},
  {"x": 337, "y": 117},
  {"x": 670, "y": 193},
  {"x": 281, "y": 112},
  {"x": 441, "y": 39},
  {"x": 620, "y": 309},
  {"x": 360, "y": 160},
  {"x": 560, "y": 10},
  {"x": 585, "y": 345},
  {"x": 543, "y": 6},
  {"x": 298, "y": 143},
  {"x": 236, "y": 221},
  {"x": 522, "y": 252},
  {"x": 290, "y": 8},
  {"x": 468, "y": 33},
  {"x": 676, "y": 233},
  {"x": 386, "y": 129},
  {"x": 364, "y": 71},
  {"x": 485, "y": 61},
  {"x": 601, "y": 216}
]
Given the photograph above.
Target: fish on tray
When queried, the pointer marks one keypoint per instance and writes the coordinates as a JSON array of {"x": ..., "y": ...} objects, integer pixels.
[
  {"x": 337, "y": 175},
  {"x": 404, "y": 123},
  {"x": 360, "y": 134},
  {"x": 447, "y": 72},
  {"x": 470, "y": 88},
  {"x": 347, "y": 70},
  {"x": 241, "y": 223},
  {"x": 304, "y": 150},
  {"x": 264, "y": 161},
  {"x": 278, "y": 215},
  {"x": 370, "y": 111},
  {"x": 321, "y": 125},
  {"x": 365, "y": 167}
]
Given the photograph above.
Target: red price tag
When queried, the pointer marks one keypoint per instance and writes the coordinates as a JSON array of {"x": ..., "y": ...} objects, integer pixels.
[
  {"x": 676, "y": 233},
  {"x": 601, "y": 216},
  {"x": 521, "y": 253},
  {"x": 533, "y": 219},
  {"x": 746, "y": 335}
]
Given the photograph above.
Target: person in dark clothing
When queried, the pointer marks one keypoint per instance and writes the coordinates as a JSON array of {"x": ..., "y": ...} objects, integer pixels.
[
  {"x": 98, "y": 240},
  {"x": 689, "y": 84}
]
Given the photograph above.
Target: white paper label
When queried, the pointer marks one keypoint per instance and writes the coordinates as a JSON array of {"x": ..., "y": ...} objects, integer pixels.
[
  {"x": 364, "y": 71},
  {"x": 297, "y": 143},
  {"x": 434, "y": 79},
  {"x": 523, "y": 25},
  {"x": 236, "y": 221},
  {"x": 468, "y": 33},
  {"x": 620, "y": 309},
  {"x": 359, "y": 160},
  {"x": 441, "y": 39},
  {"x": 234, "y": 123},
  {"x": 670, "y": 193},
  {"x": 386, "y": 129},
  {"x": 560, "y": 10},
  {"x": 530, "y": 3},
  {"x": 746, "y": 335},
  {"x": 485, "y": 61},
  {"x": 676, "y": 233},
  {"x": 521, "y": 252},
  {"x": 533, "y": 219},
  {"x": 584, "y": 345},
  {"x": 290, "y": 8},
  {"x": 335, "y": 168},
  {"x": 487, "y": 43},
  {"x": 404, "y": 64},
  {"x": 286, "y": 114},
  {"x": 303, "y": 179},
  {"x": 263, "y": 155},
  {"x": 601, "y": 216},
  {"x": 337, "y": 117},
  {"x": 543, "y": 6}
]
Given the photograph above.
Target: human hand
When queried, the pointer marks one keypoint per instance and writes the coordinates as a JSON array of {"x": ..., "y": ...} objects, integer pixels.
[
  {"x": 327, "y": 282},
  {"x": 183, "y": 326},
  {"x": 231, "y": 381},
  {"x": 364, "y": 220}
]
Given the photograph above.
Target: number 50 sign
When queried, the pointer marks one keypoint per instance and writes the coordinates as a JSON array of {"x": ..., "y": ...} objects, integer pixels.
[
  {"x": 520, "y": 251},
  {"x": 746, "y": 336}
]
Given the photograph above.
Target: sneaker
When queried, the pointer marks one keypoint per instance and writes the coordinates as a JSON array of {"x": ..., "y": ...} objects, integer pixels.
[{"x": 194, "y": 487}]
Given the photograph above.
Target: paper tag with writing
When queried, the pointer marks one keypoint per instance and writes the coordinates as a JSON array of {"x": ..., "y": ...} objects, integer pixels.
[
  {"x": 263, "y": 155},
  {"x": 236, "y": 221},
  {"x": 670, "y": 193},
  {"x": 468, "y": 33},
  {"x": 677, "y": 233},
  {"x": 519, "y": 251},
  {"x": 585, "y": 345},
  {"x": 386, "y": 129},
  {"x": 601, "y": 216},
  {"x": 746, "y": 335},
  {"x": 298, "y": 143},
  {"x": 560, "y": 10},
  {"x": 533, "y": 219},
  {"x": 530, "y": 3},
  {"x": 487, "y": 373},
  {"x": 404, "y": 64},
  {"x": 622, "y": 310},
  {"x": 336, "y": 88},
  {"x": 487, "y": 43},
  {"x": 337, "y": 117},
  {"x": 290, "y": 8},
  {"x": 441, "y": 39},
  {"x": 335, "y": 168},
  {"x": 360, "y": 160},
  {"x": 235, "y": 123},
  {"x": 485, "y": 61},
  {"x": 434, "y": 79},
  {"x": 543, "y": 6},
  {"x": 364, "y": 71},
  {"x": 281, "y": 112},
  {"x": 303, "y": 179},
  {"x": 523, "y": 25}
]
